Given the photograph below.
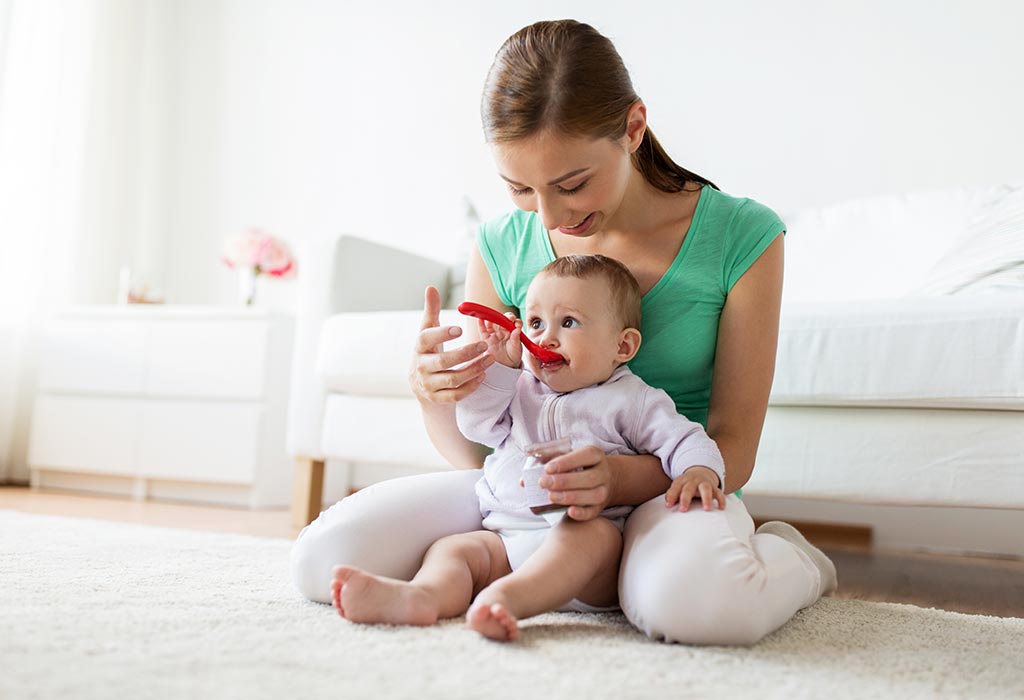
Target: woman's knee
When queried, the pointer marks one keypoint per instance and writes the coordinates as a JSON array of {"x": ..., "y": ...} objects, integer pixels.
[
  {"x": 694, "y": 601},
  {"x": 385, "y": 528},
  {"x": 694, "y": 583}
]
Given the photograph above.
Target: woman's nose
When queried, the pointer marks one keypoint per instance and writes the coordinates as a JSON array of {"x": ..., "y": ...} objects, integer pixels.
[{"x": 550, "y": 214}]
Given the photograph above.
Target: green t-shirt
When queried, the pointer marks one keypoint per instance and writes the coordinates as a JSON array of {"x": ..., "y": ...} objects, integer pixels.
[{"x": 681, "y": 312}]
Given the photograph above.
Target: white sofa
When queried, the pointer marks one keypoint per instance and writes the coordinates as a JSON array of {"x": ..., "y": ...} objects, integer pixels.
[{"x": 888, "y": 392}]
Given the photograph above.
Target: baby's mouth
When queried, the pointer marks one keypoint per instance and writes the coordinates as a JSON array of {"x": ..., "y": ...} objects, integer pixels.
[{"x": 557, "y": 364}]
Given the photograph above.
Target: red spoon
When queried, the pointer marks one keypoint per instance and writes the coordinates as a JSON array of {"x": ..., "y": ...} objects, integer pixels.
[{"x": 469, "y": 308}]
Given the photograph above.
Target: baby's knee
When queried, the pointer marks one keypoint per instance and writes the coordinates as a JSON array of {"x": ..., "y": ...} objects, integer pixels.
[{"x": 599, "y": 534}]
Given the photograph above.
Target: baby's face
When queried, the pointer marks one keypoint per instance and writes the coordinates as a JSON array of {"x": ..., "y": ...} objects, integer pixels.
[{"x": 575, "y": 318}]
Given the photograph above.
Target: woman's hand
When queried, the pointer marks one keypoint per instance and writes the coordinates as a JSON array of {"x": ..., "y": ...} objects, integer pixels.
[
  {"x": 581, "y": 479},
  {"x": 694, "y": 482},
  {"x": 439, "y": 376}
]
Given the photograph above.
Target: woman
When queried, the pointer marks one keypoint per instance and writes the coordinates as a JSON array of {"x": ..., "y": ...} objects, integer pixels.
[{"x": 570, "y": 138}]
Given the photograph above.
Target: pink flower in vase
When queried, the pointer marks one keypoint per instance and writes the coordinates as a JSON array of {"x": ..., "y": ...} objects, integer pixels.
[
  {"x": 276, "y": 260},
  {"x": 256, "y": 252}
]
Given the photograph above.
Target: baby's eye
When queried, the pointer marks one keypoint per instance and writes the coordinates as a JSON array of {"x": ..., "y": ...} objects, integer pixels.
[
  {"x": 535, "y": 324},
  {"x": 569, "y": 322}
]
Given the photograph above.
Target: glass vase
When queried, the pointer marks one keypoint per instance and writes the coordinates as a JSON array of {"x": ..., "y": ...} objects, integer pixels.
[{"x": 247, "y": 285}]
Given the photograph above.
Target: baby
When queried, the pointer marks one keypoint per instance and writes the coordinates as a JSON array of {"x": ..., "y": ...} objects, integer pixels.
[{"x": 586, "y": 308}]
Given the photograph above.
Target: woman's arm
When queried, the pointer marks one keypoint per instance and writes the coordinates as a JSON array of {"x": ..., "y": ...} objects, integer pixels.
[
  {"x": 434, "y": 379},
  {"x": 748, "y": 337}
]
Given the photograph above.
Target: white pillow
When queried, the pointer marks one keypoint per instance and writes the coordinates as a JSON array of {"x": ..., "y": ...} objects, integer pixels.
[{"x": 989, "y": 255}]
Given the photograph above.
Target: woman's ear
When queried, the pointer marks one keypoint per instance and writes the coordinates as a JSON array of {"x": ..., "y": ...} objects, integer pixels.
[
  {"x": 636, "y": 125},
  {"x": 629, "y": 344}
]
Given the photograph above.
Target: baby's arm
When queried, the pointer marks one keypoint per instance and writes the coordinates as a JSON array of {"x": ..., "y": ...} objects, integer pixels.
[
  {"x": 484, "y": 415},
  {"x": 689, "y": 456}
]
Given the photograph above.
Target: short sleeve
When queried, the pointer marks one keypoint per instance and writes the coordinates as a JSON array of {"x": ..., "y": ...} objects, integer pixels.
[
  {"x": 750, "y": 232},
  {"x": 514, "y": 248},
  {"x": 493, "y": 239}
]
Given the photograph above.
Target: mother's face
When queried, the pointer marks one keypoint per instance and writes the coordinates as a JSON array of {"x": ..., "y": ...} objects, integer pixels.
[{"x": 574, "y": 184}]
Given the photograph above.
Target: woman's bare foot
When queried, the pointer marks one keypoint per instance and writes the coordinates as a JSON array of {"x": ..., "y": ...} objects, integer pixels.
[
  {"x": 493, "y": 620},
  {"x": 363, "y": 597}
]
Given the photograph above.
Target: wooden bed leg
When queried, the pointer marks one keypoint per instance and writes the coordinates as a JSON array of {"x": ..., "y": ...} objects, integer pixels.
[{"x": 308, "y": 491}]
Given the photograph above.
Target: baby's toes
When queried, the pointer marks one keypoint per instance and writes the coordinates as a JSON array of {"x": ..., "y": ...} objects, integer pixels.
[{"x": 507, "y": 620}]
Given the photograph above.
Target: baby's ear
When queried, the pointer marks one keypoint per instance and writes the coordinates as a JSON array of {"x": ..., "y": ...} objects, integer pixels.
[{"x": 629, "y": 344}]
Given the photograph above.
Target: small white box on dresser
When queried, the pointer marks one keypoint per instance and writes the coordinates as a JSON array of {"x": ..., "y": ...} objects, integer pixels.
[{"x": 174, "y": 402}]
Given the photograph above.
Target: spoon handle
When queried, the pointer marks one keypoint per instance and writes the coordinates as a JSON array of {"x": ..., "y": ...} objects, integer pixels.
[{"x": 470, "y": 308}]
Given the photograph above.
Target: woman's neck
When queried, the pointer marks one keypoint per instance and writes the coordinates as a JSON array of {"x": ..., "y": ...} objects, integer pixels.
[{"x": 646, "y": 210}]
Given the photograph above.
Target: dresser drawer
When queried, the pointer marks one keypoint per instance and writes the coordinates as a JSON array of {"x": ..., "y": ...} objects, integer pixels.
[
  {"x": 88, "y": 356},
  {"x": 81, "y": 434},
  {"x": 207, "y": 359},
  {"x": 207, "y": 441}
]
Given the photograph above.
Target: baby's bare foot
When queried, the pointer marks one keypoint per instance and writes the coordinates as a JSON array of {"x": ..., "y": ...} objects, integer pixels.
[
  {"x": 363, "y": 597},
  {"x": 493, "y": 620}
]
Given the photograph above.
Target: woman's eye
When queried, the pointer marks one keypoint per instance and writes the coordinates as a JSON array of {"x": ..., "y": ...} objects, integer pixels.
[
  {"x": 574, "y": 190},
  {"x": 569, "y": 322},
  {"x": 519, "y": 193}
]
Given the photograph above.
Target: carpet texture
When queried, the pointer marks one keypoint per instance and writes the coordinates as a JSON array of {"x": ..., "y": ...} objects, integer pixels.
[{"x": 93, "y": 609}]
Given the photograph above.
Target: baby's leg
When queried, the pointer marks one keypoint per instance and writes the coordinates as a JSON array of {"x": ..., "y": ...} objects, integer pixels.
[
  {"x": 577, "y": 560},
  {"x": 454, "y": 569}
]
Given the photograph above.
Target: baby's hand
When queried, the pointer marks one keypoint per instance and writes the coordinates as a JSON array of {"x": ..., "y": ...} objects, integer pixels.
[
  {"x": 691, "y": 483},
  {"x": 504, "y": 346}
]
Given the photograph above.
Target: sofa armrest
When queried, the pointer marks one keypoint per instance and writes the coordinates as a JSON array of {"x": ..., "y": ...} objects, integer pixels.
[{"x": 338, "y": 275}]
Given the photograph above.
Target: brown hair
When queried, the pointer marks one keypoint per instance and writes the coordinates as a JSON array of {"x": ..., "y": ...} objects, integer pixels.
[
  {"x": 625, "y": 291},
  {"x": 567, "y": 76}
]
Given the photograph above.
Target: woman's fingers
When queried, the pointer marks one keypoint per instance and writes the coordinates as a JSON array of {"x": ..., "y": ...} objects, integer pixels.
[
  {"x": 454, "y": 378},
  {"x": 583, "y": 513},
  {"x": 431, "y": 308},
  {"x": 585, "y": 479},
  {"x": 458, "y": 393},
  {"x": 581, "y": 497},
  {"x": 430, "y": 339},
  {"x": 441, "y": 361},
  {"x": 576, "y": 459}
]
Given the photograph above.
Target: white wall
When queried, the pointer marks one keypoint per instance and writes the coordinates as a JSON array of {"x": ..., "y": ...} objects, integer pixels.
[{"x": 311, "y": 117}]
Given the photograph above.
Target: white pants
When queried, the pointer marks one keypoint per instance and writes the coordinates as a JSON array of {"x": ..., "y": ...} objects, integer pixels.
[{"x": 697, "y": 577}]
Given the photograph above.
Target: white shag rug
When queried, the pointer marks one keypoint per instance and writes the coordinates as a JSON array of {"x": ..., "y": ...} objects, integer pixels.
[{"x": 92, "y": 609}]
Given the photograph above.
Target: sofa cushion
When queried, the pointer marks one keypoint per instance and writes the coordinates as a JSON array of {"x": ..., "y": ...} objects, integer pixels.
[
  {"x": 378, "y": 430},
  {"x": 369, "y": 353},
  {"x": 880, "y": 247},
  {"x": 989, "y": 254},
  {"x": 943, "y": 352}
]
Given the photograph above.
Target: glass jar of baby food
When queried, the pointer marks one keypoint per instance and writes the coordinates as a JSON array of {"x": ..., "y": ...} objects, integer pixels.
[{"x": 538, "y": 455}]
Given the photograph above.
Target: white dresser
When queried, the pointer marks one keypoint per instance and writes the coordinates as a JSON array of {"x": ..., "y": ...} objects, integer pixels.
[{"x": 170, "y": 402}]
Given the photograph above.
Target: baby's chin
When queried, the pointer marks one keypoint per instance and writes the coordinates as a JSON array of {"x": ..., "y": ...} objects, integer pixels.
[{"x": 557, "y": 375}]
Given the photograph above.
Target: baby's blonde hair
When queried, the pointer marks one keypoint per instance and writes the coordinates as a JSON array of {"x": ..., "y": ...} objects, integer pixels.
[{"x": 625, "y": 290}]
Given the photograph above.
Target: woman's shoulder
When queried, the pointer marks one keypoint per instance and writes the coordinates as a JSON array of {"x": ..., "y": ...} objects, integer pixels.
[
  {"x": 743, "y": 227},
  {"x": 739, "y": 213},
  {"x": 513, "y": 247},
  {"x": 513, "y": 225}
]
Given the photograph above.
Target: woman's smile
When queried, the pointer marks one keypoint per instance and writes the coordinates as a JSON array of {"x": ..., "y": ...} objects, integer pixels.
[{"x": 579, "y": 228}]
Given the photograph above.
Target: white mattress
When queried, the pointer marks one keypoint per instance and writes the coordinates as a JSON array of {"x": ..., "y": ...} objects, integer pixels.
[
  {"x": 893, "y": 456},
  {"x": 944, "y": 352}
]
